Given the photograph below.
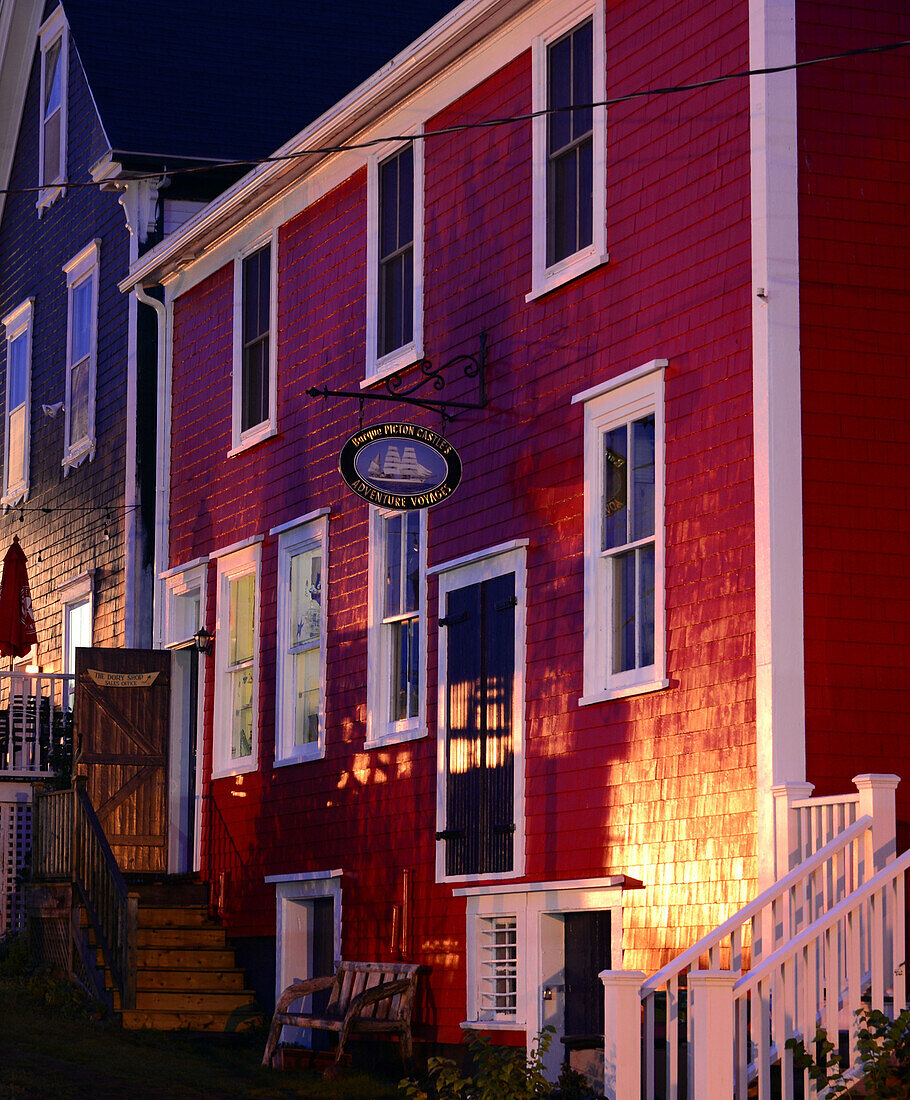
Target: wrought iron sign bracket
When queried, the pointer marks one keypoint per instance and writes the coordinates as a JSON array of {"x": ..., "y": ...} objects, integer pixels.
[{"x": 397, "y": 389}]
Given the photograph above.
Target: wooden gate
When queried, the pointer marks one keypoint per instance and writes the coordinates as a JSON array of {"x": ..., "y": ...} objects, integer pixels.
[{"x": 121, "y": 724}]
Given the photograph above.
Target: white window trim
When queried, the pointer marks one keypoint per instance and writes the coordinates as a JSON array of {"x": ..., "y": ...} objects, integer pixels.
[
  {"x": 73, "y": 591},
  {"x": 294, "y": 889},
  {"x": 303, "y": 536},
  {"x": 380, "y": 729},
  {"x": 179, "y": 584},
  {"x": 530, "y": 903},
  {"x": 231, "y": 567},
  {"x": 378, "y": 367},
  {"x": 17, "y": 324},
  {"x": 544, "y": 278},
  {"x": 476, "y": 568},
  {"x": 84, "y": 265},
  {"x": 240, "y": 440},
  {"x": 54, "y": 28},
  {"x": 606, "y": 406}
]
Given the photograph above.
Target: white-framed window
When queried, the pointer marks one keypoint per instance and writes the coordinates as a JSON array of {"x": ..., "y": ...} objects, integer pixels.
[
  {"x": 18, "y": 326},
  {"x": 480, "y": 714},
  {"x": 569, "y": 150},
  {"x": 54, "y": 39},
  {"x": 396, "y": 678},
  {"x": 235, "y": 743},
  {"x": 76, "y": 597},
  {"x": 302, "y": 595},
  {"x": 394, "y": 260},
  {"x": 81, "y": 355},
  {"x": 528, "y": 943},
  {"x": 254, "y": 386},
  {"x": 624, "y": 646}
]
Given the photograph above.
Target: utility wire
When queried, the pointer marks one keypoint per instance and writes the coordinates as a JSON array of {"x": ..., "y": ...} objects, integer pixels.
[{"x": 485, "y": 124}]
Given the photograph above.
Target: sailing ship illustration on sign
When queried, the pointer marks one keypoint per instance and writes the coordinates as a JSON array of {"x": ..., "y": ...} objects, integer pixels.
[{"x": 396, "y": 468}]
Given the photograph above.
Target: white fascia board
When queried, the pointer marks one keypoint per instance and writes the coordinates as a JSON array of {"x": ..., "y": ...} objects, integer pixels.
[
  {"x": 453, "y": 36},
  {"x": 19, "y": 22},
  {"x": 779, "y": 650}
]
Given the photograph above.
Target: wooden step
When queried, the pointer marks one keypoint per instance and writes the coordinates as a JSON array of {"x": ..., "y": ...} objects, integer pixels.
[
  {"x": 158, "y": 978},
  {"x": 181, "y": 937},
  {"x": 193, "y": 1000},
  {"x": 181, "y": 958},
  {"x": 241, "y": 1019},
  {"x": 184, "y": 916}
]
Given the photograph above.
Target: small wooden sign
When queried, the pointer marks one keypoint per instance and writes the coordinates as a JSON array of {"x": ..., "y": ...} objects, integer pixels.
[
  {"x": 401, "y": 466},
  {"x": 122, "y": 679}
]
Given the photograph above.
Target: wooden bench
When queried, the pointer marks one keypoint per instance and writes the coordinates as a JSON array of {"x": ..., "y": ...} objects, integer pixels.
[{"x": 366, "y": 998}]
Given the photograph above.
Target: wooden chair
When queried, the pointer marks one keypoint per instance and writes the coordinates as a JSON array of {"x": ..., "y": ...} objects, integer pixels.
[{"x": 365, "y": 998}]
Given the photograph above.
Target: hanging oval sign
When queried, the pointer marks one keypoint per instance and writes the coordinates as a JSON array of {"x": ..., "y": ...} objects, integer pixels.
[{"x": 402, "y": 466}]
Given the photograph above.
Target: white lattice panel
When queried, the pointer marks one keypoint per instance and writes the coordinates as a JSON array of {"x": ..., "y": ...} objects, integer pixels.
[{"x": 15, "y": 848}]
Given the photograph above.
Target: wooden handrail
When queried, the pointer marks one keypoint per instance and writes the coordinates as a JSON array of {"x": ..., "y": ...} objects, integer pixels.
[{"x": 70, "y": 844}]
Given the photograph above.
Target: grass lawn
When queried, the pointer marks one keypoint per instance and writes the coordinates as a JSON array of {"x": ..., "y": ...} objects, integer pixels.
[{"x": 58, "y": 1053}]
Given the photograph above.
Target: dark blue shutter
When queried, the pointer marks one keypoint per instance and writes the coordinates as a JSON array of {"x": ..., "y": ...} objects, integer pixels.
[
  {"x": 497, "y": 767},
  {"x": 463, "y": 733},
  {"x": 480, "y": 670}
]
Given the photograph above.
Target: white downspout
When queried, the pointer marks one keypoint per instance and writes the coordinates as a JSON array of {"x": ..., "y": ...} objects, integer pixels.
[{"x": 162, "y": 461}]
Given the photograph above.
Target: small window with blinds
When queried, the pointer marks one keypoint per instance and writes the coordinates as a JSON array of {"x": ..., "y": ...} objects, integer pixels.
[
  {"x": 498, "y": 968},
  {"x": 52, "y": 109}
]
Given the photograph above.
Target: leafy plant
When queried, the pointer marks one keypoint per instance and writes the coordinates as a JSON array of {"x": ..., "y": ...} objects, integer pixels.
[
  {"x": 498, "y": 1073},
  {"x": 884, "y": 1057}
]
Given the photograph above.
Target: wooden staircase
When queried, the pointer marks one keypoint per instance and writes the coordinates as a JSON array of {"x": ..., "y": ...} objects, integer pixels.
[{"x": 186, "y": 973}]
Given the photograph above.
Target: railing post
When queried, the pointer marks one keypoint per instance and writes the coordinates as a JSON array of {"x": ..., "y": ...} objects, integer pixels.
[
  {"x": 711, "y": 1035},
  {"x": 876, "y": 798},
  {"x": 130, "y": 950},
  {"x": 787, "y": 853},
  {"x": 622, "y": 1034}
]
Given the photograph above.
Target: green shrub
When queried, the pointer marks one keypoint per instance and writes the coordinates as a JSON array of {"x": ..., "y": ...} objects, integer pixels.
[
  {"x": 498, "y": 1073},
  {"x": 884, "y": 1058}
]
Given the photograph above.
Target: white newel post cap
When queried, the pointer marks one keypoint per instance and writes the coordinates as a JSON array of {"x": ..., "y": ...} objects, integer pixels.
[
  {"x": 711, "y": 1035},
  {"x": 877, "y": 799},
  {"x": 622, "y": 1033},
  {"x": 786, "y": 839}
]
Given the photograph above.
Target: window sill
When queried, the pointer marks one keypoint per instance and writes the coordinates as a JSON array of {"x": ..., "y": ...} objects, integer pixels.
[
  {"x": 77, "y": 455},
  {"x": 396, "y": 360},
  {"x": 49, "y": 196},
  {"x": 492, "y": 1025},
  {"x": 14, "y": 496},
  {"x": 240, "y": 768},
  {"x": 302, "y": 756},
  {"x": 395, "y": 738},
  {"x": 252, "y": 437},
  {"x": 623, "y": 692},
  {"x": 565, "y": 272}
]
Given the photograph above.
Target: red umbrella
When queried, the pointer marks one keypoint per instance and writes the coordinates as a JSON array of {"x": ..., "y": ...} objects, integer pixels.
[{"x": 17, "y": 624}]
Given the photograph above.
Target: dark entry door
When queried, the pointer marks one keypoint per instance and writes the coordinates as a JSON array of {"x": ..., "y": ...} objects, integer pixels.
[
  {"x": 480, "y": 674},
  {"x": 587, "y": 953},
  {"x": 121, "y": 724}
]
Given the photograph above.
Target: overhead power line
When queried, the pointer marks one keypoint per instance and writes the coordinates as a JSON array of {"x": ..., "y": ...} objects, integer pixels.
[{"x": 460, "y": 127}]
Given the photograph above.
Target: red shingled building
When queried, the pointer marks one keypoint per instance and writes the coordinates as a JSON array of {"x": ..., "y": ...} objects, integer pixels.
[{"x": 537, "y": 730}]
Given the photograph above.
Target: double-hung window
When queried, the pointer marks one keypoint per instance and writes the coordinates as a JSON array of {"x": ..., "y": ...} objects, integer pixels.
[
  {"x": 302, "y": 590},
  {"x": 237, "y": 661},
  {"x": 18, "y": 326},
  {"x": 624, "y": 550},
  {"x": 569, "y": 195},
  {"x": 397, "y": 656},
  {"x": 255, "y": 358},
  {"x": 52, "y": 118},
  {"x": 395, "y": 259},
  {"x": 81, "y": 355}
]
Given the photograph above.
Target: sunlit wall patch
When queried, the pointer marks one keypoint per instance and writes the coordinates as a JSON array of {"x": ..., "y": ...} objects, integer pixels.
[{"x": 401, "y": 466}]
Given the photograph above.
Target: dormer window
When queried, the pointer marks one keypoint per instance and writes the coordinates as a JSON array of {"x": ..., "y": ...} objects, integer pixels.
[{"x": 52, "y": 144}]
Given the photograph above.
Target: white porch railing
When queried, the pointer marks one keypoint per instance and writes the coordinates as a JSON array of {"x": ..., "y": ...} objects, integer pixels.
[
  {"x": 841, "y": 854},
  {"x": 36, "y": 722}
]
